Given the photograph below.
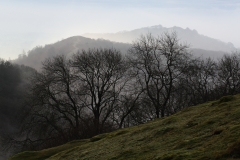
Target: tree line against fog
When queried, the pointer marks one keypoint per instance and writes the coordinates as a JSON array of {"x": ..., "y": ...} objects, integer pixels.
[{"x": 101, "y": 90}]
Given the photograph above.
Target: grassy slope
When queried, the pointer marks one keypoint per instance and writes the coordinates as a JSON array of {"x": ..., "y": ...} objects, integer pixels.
[{"x": 207, "y": 131}]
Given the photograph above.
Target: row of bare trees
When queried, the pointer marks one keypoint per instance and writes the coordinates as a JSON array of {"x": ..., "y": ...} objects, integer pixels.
[
  {"x": 100, "y": 90},
  {"x": 76, "y": 98}
]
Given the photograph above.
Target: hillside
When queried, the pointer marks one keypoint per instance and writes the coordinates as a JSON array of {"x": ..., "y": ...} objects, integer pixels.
[
  {"x": 187, "y": 35},
  {"x": 206, "y": 131}
]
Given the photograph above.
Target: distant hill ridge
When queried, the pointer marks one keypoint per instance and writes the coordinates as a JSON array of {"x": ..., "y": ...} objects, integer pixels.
[
  {"x": 200, "y": 46},
  {"x": 187, "y": 35},
  {"x": 66, "y": 47}
]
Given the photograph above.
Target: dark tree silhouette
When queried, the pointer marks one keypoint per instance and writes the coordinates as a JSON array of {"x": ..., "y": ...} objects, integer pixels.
[
  {"x": 102, "y": 78},
  {"x": 158, "y": 63}
]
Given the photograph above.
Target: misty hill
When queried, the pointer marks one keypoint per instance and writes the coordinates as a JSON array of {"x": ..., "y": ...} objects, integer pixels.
[
  {"x": 206, "y": 131},
  {"x": 187, "y": 35},
  {"x": 72, "y": 45},
  {"x": 66, "y": 47},
  {"x": 215, "y": 55}
]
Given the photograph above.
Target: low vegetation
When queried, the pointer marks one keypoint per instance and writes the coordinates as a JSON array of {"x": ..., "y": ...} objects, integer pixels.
[{"x": 207, "y": 131}]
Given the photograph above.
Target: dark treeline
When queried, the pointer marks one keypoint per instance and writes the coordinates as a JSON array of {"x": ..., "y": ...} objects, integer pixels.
[
  {"x": 101, "y": 90},
  {"x": 13, "y": 85}
]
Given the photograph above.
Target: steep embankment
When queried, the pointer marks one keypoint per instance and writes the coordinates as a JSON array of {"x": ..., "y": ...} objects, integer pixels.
[{"x": 207, "y": 131}]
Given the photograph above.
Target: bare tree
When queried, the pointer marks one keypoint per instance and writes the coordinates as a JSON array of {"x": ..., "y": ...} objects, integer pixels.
[
  {"x": 157, "y": 64},
  {"x": 53, "y": 107},
  {"x": 129, "y": 102},
  {"x": 102, "y": 76},
  {"x": 74, "y": 98},
  {"x": 228, "y": 70},
  {"x": 200, "y": 80}
]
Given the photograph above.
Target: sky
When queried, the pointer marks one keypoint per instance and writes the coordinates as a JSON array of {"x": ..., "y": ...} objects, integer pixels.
[{"x": 25, "y": 24}]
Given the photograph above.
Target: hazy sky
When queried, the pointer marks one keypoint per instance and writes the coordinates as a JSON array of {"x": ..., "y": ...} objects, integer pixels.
[{"x": 25, "y": 24}]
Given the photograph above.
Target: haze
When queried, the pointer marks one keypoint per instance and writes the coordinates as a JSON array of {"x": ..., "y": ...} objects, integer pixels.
[{"x": 26, "y": 24}]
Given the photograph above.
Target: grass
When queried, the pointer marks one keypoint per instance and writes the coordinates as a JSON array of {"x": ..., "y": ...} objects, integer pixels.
[{"x": 207, "y": 131}]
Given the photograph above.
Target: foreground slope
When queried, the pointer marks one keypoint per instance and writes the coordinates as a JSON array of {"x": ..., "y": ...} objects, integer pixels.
[{"x": 206, "y": 131}]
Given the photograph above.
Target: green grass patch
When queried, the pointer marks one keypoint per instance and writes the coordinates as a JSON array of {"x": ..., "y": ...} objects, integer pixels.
[{"x": 206, "y": 131}]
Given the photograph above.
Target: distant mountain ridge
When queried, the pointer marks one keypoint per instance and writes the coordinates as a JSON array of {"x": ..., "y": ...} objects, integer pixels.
[
  {"x": 187, "y": 35},
  {"x": 200, "y": 46}
]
